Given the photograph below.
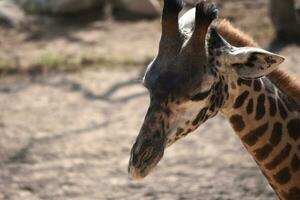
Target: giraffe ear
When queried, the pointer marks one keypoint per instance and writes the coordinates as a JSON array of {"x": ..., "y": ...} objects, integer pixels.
[{"x": 250, "y": 62}]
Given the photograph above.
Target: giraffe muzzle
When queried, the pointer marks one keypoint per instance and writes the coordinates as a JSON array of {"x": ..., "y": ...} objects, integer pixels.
[{"x": 144, "y": 157}]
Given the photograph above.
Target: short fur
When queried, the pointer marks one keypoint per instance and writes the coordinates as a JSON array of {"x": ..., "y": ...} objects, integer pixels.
[{"x": 284, "y": 81}]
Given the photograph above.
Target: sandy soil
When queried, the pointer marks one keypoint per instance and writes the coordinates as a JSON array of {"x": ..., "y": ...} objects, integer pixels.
[{"x": 68, "y": 135}]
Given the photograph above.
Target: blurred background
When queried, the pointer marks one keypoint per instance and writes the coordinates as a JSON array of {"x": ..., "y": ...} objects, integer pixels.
[{"x": 71, "y": 102}]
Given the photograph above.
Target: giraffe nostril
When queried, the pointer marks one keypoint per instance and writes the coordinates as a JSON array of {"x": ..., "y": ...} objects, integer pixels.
[
  {"x": 147, "y": 154},
  {"x": 136, "y": 147}
]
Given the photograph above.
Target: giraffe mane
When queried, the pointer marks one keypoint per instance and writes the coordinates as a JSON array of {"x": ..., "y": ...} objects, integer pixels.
[{"x": 281, "y": 78}]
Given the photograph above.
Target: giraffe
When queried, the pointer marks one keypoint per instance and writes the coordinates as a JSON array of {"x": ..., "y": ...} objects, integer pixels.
[{"x": 205, "y": 66}]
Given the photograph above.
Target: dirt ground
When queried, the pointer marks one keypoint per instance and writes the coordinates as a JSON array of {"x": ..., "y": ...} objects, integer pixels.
[{"x": 68, "y": 135}]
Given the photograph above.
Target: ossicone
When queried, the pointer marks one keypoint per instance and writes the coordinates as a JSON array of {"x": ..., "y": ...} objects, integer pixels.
[{"x": 171, "y": 38}]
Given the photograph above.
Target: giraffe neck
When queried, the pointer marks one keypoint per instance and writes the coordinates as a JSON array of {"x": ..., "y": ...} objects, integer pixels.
[{"x": 268, "y": 124}]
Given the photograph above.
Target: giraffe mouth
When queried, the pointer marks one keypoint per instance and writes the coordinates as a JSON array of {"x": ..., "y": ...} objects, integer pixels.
[
  {"x": 143, "y": 162},
  {"x": 137, "y": 174}
]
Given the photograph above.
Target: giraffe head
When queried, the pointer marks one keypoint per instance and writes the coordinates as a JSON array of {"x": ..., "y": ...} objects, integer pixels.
[{"x": 187, "y": 82}]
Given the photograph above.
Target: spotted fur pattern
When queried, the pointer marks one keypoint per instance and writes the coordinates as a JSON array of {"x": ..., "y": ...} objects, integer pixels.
[{"x": 268, "y": 122}]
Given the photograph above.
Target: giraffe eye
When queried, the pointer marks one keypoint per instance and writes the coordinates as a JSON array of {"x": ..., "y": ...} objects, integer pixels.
[{"x": 200, "y": 96}]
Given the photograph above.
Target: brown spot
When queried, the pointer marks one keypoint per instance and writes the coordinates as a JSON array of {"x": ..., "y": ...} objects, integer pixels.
[
  {"x": 200, "y": 116},
  {"x": 237, "y": 122},
  {"x": 282, "y": 111},
  {"x": 293, "y": 194},
  {"x": 179, "y": 131},
  {"x": 273, "y": 107},
  {"x": 276, "y": 134},
  {"x": 250, "y": 106},
  {"x": 213, "y": 98},
  {"x": 270, "y": 60},
  {"x": 283, "y": 176},
  {"x": 285, "y": 152},
  {"x": 212, "y": 107},
  {"x": 295, "y": 164},
  {"x": 252, "y": 58},
  {"x": 257, "y": 85},
  {"x": 200, "y": 96},
  {"x": 220, "y": 101},
  {"x": 241, "y": 99},
  {"x": 252, "y": 137},
  {"x": 244, "y": 82},
  {"x": 226, "y": 88},
  {"x": 260, "y": 107},
  {"x": 187, "y": 132},
  {"x": 294, "y": 128},
  {"x": 177, "y": 138},
  {"x": 263, "y": 152}
]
